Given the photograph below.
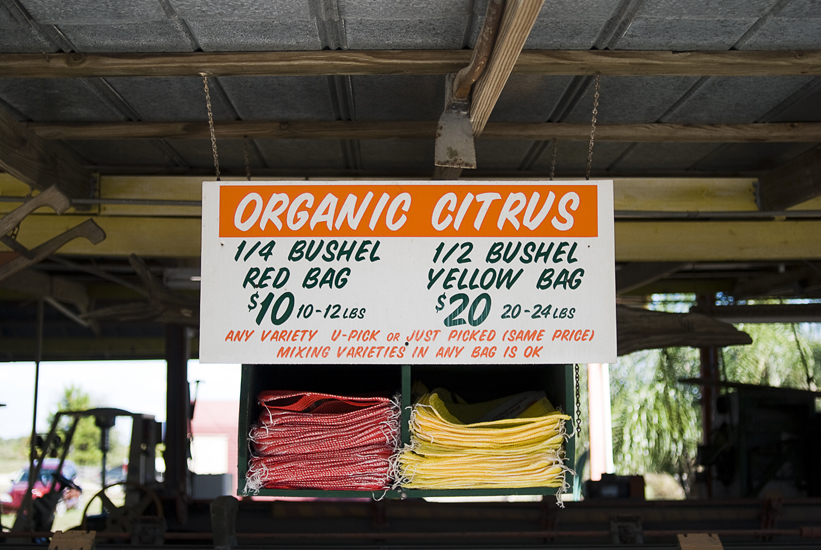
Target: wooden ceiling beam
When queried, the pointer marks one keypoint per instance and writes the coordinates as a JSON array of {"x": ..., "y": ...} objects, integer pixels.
[
  {"x": 792, "y": 183},
  {"x": 804, "y": 132},
  {"x": 339, "y": 62},
  {"x": 517, "y": 21}
]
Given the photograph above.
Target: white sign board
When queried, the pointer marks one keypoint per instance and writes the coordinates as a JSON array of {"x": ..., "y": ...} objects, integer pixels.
[{"x": 368, "y": 272}]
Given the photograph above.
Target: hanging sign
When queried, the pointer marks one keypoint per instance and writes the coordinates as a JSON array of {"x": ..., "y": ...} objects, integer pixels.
[{"x": 369, "y": 272}]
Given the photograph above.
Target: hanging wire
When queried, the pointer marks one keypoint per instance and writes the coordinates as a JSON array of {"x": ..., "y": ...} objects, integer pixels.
[
  {"x": 211, "y": 125},
  {"x": 593, "y": 128},
  {"x": 245, "y": 154},
  {"x": 553, "y": 161}
]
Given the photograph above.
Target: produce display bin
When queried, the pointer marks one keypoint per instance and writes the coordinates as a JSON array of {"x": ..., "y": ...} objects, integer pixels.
[{"x": 474, "y": 383}]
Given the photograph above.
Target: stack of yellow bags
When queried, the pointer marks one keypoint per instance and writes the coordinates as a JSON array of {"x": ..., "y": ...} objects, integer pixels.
[{"x": 511, "y": 442}]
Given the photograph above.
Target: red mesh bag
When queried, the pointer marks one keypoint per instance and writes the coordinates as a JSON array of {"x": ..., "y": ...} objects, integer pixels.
[{"x": 309, "y": 440}]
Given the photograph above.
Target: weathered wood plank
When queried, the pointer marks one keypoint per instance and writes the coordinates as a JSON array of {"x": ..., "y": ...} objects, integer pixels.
[
  {"x": 793, "y": 183},
  {"x": 39, "y": 164},
  {"x": 51, "y": 197},
  {"x": 805, "y": 132},
  {"x": 640, "y": 329},
  {"x": 306, "y": 63},
  {"x": 658, "y": 63},
  {"x": 338, "y": 62},
  {"x": 517, "y": 22}
]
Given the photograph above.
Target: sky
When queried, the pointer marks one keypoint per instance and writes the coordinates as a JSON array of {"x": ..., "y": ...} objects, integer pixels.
[{"x": 136, "y": 386}]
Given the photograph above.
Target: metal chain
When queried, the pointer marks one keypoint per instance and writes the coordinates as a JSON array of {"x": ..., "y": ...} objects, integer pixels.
[
  {"x": 578, "y": 401},
  {"x": 593, "y": 128},
  {"x": 211, "y": 125},
  {"x": 553, "y": 162},
  {"x": 245, "y": 154}
]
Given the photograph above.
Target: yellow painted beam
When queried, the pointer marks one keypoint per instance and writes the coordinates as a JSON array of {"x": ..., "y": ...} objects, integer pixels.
[
  {"x": 717, "y": 241},
  {"x": 684, "y": 194},
  {"x": 162, "y": 188},
  {"x": 635, "y": 241},
  {"x": 653, "y": 194}
]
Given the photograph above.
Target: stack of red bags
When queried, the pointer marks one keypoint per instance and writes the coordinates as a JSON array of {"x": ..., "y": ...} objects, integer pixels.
[{"x": 319, "y": 441}]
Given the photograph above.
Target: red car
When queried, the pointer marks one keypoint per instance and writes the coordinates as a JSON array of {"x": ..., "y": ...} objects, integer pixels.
[{"x": 11, "y": 501}]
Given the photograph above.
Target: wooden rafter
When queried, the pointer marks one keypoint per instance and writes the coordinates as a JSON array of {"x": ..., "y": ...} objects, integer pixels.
[
  {"x": 339, "y": 62},
  {"x": 803, "y": 132},
  {"x": 517, "y": 21}
]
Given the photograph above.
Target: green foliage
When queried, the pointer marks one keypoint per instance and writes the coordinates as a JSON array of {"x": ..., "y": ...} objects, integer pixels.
[
  {"x": 85, "y": 445},
  {"x": 781, "y": 355},
  {"x": 14, "y": 449},
  {"x": 656, "y": 419}
]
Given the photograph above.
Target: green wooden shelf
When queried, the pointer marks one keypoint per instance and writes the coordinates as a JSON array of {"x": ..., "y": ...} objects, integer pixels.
[{"x": 474, "y": 383}]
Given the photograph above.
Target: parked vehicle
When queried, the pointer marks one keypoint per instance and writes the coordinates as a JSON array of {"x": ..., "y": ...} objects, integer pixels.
[{"x": 11, "y": 501}]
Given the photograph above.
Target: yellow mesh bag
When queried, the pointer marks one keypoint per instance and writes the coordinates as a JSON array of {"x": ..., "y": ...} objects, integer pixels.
[{"x": 512, "y": 442}]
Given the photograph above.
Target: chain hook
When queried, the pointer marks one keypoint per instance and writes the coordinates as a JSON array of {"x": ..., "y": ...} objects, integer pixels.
[
  {"x": 593, "y": 128},
  {"x": 211, "y": 124},
  {"x": 245, "y": 154},
  {"x": 553, "y": 161},
  {"x": 578, "y": 419}
]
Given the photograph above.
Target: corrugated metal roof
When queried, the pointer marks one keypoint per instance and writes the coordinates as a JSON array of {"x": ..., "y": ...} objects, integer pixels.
[{"x": 243, "y": 25}]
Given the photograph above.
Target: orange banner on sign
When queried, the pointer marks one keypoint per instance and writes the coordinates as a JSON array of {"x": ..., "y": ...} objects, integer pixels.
[{"x": 407, "y": 210}]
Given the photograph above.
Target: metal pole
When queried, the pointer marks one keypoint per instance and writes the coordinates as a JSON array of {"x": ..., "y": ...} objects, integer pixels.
[
  {"x": 38, "y": 356},
  {"x": 177, "y": 406},
  {"x": 708, "y": 370}
]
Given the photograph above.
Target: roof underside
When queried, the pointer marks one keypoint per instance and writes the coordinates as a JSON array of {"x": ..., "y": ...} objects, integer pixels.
[
  {"x": 154, "y": 26},
  {"x": 48, "y": 26}
]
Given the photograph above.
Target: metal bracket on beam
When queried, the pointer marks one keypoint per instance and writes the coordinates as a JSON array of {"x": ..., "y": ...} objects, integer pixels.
[{"x": 87, "y": 230}]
